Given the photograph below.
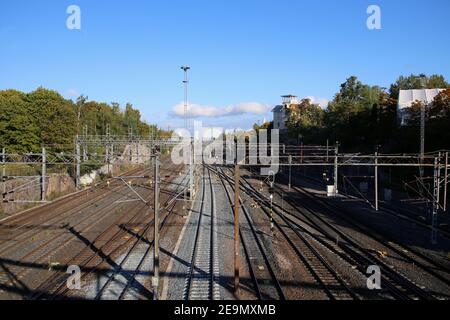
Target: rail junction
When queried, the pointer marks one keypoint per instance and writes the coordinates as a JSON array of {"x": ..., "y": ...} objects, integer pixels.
[{"x": 211, "y": 230}]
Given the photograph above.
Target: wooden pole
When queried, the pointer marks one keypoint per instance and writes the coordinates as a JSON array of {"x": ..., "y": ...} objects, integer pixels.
[
  {"x": 376, "y": 181},
  {"x": 156, "y": 231},
  {"x": 191, "y": 170},
  {"x": 236, "y": 230}
]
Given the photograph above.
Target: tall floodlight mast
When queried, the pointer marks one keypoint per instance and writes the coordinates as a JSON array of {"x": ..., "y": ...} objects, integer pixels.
[{"x": 185, "y": 83}]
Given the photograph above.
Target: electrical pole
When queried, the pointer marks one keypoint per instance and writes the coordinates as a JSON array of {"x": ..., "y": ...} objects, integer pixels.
[
  {"x": 77, "y": 164},
  {"x": 290, "y": 171},
  {"x": 422, "y": 127},
  {"x": 436, "y": 192},
  {"x": 422, "y": 137},
  {"x": 43, "y": 174},
  {"x": 3, "y": 161},
  {"x": 137, "y": 152},
  {"x": 445, "y": 181},
  {"x": 336, "y": 151},
  {"x": 327, "y": 150},
  {"x": 155, "y": 280},
  {"x": 191, "y": 170},
  {"x": 108, "y": 148},
  {"x": 301, "y": 152},
  {"x": 85, "y": 151},
  {"x": 236, "y": 230},
  {"x": 376, "y": 180},
  {"x": 4, "y": 169}
]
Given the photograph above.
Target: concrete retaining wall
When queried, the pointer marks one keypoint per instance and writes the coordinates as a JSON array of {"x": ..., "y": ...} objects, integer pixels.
[{"x": 57, "y": 185}]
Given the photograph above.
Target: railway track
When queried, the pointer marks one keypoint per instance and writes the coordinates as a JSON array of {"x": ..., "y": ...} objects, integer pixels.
[
  {"x": 90, "y": 250},
  {"x": 16, "y": 230},
  {"x": 119, "y": 258},
  {"x": 126, "y": 281},
  {"x": 38, "y": 252},
  {"x": 407, "y": 252},
  {"x": 324, "y": 274},
  {"x": 265, "y": 281},
  {"x": 203, "y": 275},
  {"x": 390, "y": 209},
  {"x": 425, "y": 262},
  {"x": 349, "y": 250}
]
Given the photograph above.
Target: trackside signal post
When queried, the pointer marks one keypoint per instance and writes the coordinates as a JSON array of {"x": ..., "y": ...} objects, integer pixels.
[{"x": 271, "y": 191}]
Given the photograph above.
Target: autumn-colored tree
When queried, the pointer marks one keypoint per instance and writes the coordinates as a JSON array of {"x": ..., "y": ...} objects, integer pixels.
[
  {"x": 440, "y": 107},
  {"x": 304, "y": 118}
]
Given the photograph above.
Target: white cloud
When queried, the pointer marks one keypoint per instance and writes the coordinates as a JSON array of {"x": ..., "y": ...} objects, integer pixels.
[
  {"x": 195, "y": 110},
  {"x": 72, "y": 93},
  {"x": 322, "y": 102}
]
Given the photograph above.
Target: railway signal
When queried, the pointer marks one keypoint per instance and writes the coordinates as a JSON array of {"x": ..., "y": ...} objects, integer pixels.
[{"x": 271, "y": 192}]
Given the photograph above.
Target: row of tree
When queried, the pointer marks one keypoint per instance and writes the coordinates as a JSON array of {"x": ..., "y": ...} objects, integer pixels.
[
  {"x": 43, "y": 117},
  {"x": 362, "y": 117}
]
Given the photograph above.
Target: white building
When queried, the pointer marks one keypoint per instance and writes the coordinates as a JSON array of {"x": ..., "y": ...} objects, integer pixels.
[
  {"x": 407, "y": 97},
  {"x": 280, "y": 115}
]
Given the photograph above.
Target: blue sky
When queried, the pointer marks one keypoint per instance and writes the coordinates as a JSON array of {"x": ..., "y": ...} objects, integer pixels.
[{"x": 244, "y": 54}]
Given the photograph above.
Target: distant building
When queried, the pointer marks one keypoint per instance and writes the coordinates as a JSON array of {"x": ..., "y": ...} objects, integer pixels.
[
  {"x": 280, "y": 114},
  {"x": 407, "y": 97}
]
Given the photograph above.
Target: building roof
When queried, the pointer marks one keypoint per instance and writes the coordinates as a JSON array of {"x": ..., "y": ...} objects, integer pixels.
[
  {"x": 278, "y": 108},
  {"x": 407, "y": 97}
]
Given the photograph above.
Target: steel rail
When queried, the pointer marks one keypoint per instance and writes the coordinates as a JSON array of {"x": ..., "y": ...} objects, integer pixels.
[
  {"x": 400, "y": 251},
  {"x": 54, "y": 221},
  {"x": 253, "y": 193},
  {"x": 163, "y": 223},
  {"x": 243, "y": 242},
  {"x": 197, "y": 235},
  {"x": 59, "y": 280},
  {"x": 364, "y": 258},
  {"x": 260, "y": 246},
  {"x": 140, "y": 239}
]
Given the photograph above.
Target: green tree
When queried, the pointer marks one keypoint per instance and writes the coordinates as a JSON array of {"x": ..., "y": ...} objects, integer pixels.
[
  {"x": 417, "y": 82},
  {"x": 18, "y": 128},
  {"x": 351, "y": 111},
  {"x": 132, "y": 118},
  {"x": 44, "y": 117},
  {"x": 54, "y": 116}
]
